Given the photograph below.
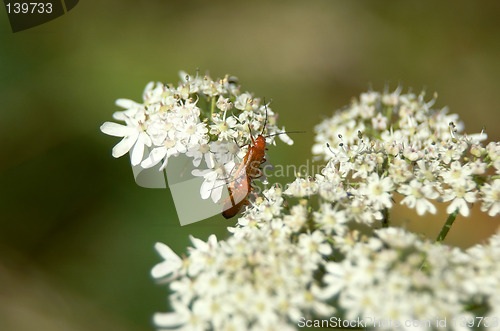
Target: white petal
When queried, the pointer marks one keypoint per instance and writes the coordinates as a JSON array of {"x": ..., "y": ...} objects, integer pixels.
[
  {"x": 116, "y": 130},
  {"x": 163, "y": 269},
  {"x": 154, "y": 157},
  {"x": 172, "y": 261},
  {"x": 124, "y": 145},
  {"x": 125, "y": 115},
  {"x": 325, "y": 249},
  {"x": 126, "y": 103},
  {"x": 495, "y": 209},
  {"x": 461, "y": 205},
  {"x": 198, "y": 243},
  {"x": 212, "y": 240},
  {"x": 409, "y": 201},
  {"x": 119, "y": 115},
  {"x": 147, "y": 139},
  {"x": 172, "y": 152},
  {"x": 477, "y": 137},
  {"x": 169, "y": 320},
  {"x": 166, "y": 252},
  {"x": 217, "y": 193},
  {"x": 149, "y": 87},
  {"x": 200, "y": 173},
  {"x": 464, "y": 208},
  {"x": 138, "y": 152},
  {"x": 423, "y": 206},
  {"x": 470, "y": 197},
  {"x": 196, "y": 161},
  {"x": 209, "y": 160},
  {"x": 285, "y": 138},
  {"x": 318, "y": 149},
  {"x": 180, "y": 147},
  {"x": 183, "y": 75},
  {"x": 208, "y": 184}
]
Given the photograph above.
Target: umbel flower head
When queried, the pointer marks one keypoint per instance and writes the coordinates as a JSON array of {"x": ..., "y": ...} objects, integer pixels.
[
  {"x": 317, "y": 250},
  {"x": 393, "y": 142},
  {"x": 282, "y": 266},
  {"x": 207, "y": 120},
  {"x": 256, "y": 278}
]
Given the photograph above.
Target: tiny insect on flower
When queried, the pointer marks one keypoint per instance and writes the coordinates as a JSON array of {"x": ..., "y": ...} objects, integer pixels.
[{"x": 248, "y": 170}]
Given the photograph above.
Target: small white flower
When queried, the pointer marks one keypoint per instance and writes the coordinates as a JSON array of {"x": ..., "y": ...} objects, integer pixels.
[
  {"x": 171, "y": 147},
  {"x": 134, "y": 138},
  {"x": 297, "y": 218},
  {"x": 478, "y": 167},
  {"x": 301, "y": 187},
  {"x": 215, "y": 181},
  {"x": 243, "y": 102},
  {"x": 369, "y": 98},
  {"x": 377, "y": 191},
  {"x": 413, "y": 153},
  {"x": 189, "y": 320},
  {"x": 198, "y": 152},
  {"x": 194, "y": 134},
  {"x": 360, "y": 211},
  {"x": 314, "y": 243},
  {"x": 391, "y": 99},
  {"x": 224, "y": 104},
  {"x": 152, "y": 93},
  {"x": 491, "y": 198},
  {"x": 331, "y": 220},
  {"x": 224, "y": 128},
  {"x": 451, "y": 152},
  {"x": 417, "y": 194},
  {"x": 460, "y": 196},
  {"x": 427, "y": 171},
  {"x": 379, "y": 122},
  {"x": 170, "y": 266},
  {"x": 493, "y": 150},
  {"x": 131, "y": 109},
  {"x": 399, "y": 171},
  {"x": 458, "y": 174}
]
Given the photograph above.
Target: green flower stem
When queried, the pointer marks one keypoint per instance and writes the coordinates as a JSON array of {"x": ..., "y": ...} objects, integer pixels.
[
  {"x": 165, "y": 175},
  {"x": 387, "y": 218},
  {"x": 212, "y": 106},
  {"x": 447, "y": 226},
  {"x": 388, "y": 113}
]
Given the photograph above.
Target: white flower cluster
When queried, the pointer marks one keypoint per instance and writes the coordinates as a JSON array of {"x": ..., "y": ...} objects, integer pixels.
[
  {"x": 394, "y": 142},
  {"x": 312, "y": 250},
  {"x": 417, "y": 280},
  {"x": 255, "y": 280},
  {"x": 202, "y": 118},
  {"x": 282, "y": 262}
]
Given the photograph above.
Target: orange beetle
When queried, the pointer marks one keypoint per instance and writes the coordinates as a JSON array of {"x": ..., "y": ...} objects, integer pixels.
[{"x": 247, "y": 171}]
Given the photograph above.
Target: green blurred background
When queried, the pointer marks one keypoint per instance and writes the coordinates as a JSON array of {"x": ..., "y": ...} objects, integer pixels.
[{"x": 77, "y": 234}]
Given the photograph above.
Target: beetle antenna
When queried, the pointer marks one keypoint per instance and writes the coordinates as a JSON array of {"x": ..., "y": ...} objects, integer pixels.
[
  {"x": 265, "y": 122},
  {"x": 275, "y": 134}
]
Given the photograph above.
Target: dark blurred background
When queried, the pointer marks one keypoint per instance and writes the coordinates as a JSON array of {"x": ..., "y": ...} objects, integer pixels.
[{"x": 76, "y": 232}]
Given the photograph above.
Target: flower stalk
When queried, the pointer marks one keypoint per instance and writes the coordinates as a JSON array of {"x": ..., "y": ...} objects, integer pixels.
[{"x": 447, "y": 226}]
